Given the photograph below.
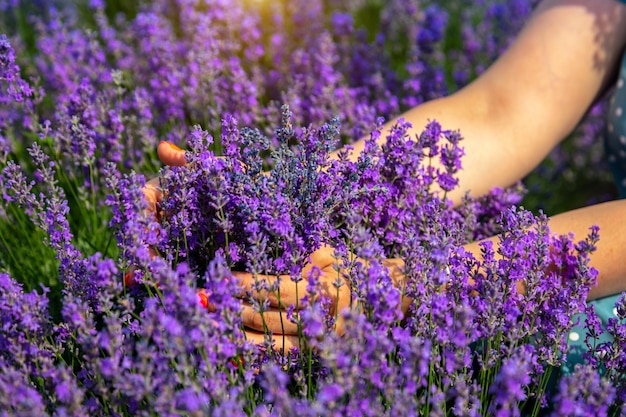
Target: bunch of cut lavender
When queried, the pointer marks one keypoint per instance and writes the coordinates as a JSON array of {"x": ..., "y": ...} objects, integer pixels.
[{"x": 263, "y": 222}]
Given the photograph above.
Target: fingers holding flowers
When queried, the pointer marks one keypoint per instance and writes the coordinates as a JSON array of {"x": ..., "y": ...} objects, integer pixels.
[
  {"x": 279, "y": 342},
  {"x": 276, "y": 300},
  {"x": 170, "y": 155},
  {"x": 272, "y": 304}
]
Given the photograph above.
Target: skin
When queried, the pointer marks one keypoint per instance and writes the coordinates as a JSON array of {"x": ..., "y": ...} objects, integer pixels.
[{"x": 511, "y": 117}]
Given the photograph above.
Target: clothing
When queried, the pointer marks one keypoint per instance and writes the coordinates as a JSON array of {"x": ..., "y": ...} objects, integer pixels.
[
  {"x": 615, "y": 145},
  {"x": 615, "y": 138}
]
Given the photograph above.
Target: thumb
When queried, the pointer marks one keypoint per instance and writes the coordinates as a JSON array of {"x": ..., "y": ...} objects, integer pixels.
[{"x": 171, "y": 154}]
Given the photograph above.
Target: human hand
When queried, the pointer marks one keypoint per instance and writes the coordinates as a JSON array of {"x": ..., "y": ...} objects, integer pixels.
[
  {"x": 332, "y": 286},
  {"x": 170, "y": 155},
  {"x": 332, "y": 278}
]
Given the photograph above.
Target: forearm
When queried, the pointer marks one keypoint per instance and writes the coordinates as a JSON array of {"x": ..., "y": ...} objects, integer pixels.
[
  {"x": 533, "y": 96},
  {"x": 486, "y": 151},
  {"x": 609, "y": 256}
]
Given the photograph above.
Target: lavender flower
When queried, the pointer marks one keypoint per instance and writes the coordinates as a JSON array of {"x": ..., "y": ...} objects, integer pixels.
[
  {"x": 17, "y": 97},
  {"x": 509, "y": 387},
  {"x": 583, "y": 393},
  {"x": 434, "y": 331}
]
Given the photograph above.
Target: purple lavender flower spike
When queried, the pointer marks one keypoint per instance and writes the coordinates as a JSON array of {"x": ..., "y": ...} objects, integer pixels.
[{"x": 583, "y": 393}]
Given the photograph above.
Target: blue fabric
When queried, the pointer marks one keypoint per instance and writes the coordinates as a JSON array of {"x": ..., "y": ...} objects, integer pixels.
[
  {"x": 605, "y": 309},
  {"x": 615, "y": 144},
  {"x": 615, "y": 138}
]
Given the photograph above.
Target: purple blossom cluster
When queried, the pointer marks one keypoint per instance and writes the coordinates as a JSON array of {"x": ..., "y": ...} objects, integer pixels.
[
  {"x": 470, "y": 342},
  {"x": 263, "y": 222},
  {"x": 126, "y": 333}
]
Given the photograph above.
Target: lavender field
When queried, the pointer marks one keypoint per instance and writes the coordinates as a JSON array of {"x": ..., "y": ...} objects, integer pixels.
[{"x": 261, "y": 95}]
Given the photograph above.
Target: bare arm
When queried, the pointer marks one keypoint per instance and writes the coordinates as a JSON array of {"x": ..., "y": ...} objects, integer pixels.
[
  {"x": 608, "y": 258},
  {"x": 529, "y": 100},
  {"x": 534, "y": 95}
]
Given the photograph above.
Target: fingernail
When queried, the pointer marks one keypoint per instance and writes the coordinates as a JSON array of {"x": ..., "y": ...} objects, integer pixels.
[
  {"x": 203, "y": 298},
  {"x": 128, "y": 279},
  {"x": 176, "y": 148},
  {"x": 238, "y": 361}
]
